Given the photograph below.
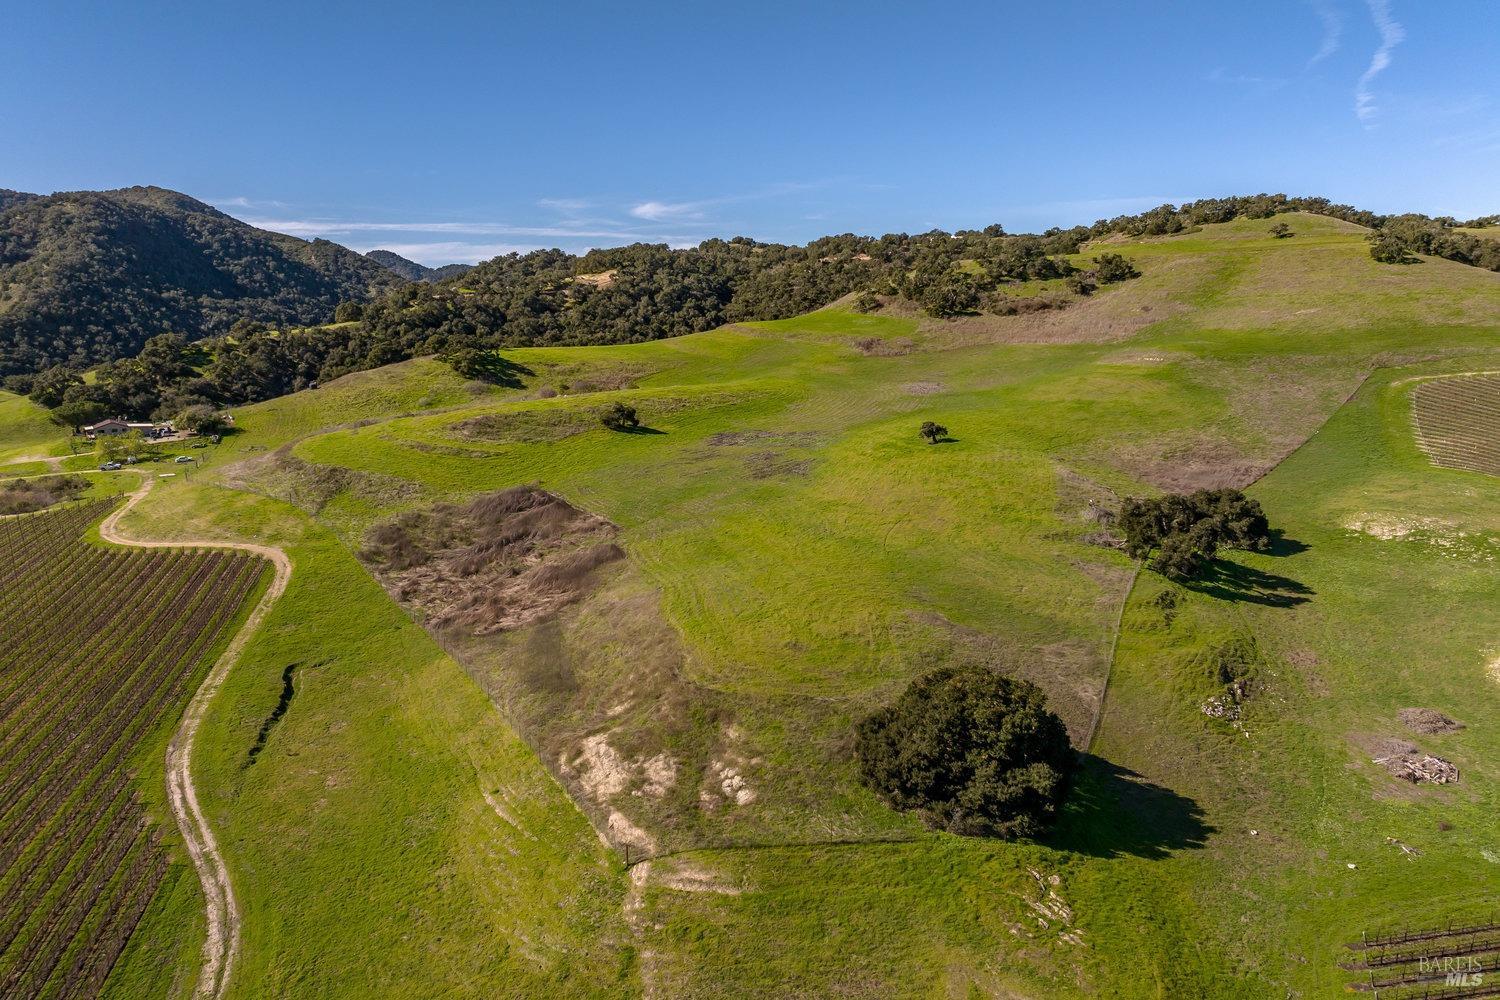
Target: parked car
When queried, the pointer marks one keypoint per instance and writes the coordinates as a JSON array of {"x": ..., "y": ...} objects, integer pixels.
[
  {"x": 109, "y": 467},
  {"x": 183, "y": 458}
]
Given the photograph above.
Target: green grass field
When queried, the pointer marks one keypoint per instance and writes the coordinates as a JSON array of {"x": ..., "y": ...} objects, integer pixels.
[{"x": 418, "y": 822}]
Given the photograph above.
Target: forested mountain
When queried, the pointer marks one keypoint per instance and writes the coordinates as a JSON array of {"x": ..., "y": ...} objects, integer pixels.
[
  {"x": 9, "y": 198},
  {"x": 411, "y": 270},
  {"x": 87, "y": 276}
]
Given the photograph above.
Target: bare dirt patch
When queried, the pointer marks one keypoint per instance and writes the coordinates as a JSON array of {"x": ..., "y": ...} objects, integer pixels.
[
  {"x": 599, "y": 279},
  {"x": 1428, "y": 721},
  {"x": 533, "y": 597},
  {"x": 501, "y": 561}
]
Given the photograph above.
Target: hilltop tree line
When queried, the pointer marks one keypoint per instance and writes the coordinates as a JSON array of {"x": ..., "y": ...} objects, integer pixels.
[
  {"x": 1394, "y": 239},
  {"x": 550, "y": 297}
]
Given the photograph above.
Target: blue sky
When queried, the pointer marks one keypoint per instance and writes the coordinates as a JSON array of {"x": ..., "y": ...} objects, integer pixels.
[{"x": 455, "y": 131}]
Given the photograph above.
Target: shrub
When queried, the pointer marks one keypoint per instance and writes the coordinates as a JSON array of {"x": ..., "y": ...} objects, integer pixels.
[
  {"x": 470, "y": 362},
  {"x": 1387, "y": 248},
  {"x": 1281, "y": 231},
  {"x": 933, "y": 432},
  {"x": 953, "y": 294},
  {"x": 866, "y": 302},
  {"x": 620, "y": 417},
  {"x": 202, "y": 418},
  {"x": 1082, "y": 284},
  {"x": 1113, "y": 267},
  {"x": 973, "y": 751},
  {"x": 1002, "y": 304}
]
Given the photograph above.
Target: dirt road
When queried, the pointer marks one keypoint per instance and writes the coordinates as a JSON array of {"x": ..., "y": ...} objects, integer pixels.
[{"x": 222, "y": 943}]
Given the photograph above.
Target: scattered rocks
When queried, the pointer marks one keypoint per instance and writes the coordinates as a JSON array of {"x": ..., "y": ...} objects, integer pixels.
[
  {"x": 1229, "y": 704},
  {"x": 1428, "y": 721},
  {"x": 733, "y": 784},
  {"x": 1049, "y": 907}
]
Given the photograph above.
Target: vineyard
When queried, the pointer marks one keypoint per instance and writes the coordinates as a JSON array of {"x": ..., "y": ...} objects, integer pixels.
[
  {"x": 100, "y": 649},
  {"x": 1458, "y": 421}
]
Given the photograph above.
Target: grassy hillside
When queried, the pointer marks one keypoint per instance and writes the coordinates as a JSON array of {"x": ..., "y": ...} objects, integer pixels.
[
  {"x": 27, "y": 434},
  {"x": 795, "y": 555}
]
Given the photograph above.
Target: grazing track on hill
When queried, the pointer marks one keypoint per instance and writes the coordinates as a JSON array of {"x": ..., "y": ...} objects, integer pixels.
[{"x": 222, "y": 941}]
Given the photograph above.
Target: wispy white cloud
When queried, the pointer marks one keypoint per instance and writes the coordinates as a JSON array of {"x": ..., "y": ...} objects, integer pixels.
[
  {"x": 575, "y": 224},
  {"x": 1333, "y": 30},
  {"x": 564, "y": 206},
  {"x": 240, "y": 201},
  {"x": 659, "y": 211},
  {"x": 328, "y": 227},
  {"x": 697, "y": 211},
  {"x": 1259, "y": 83},
  {"x": 1392, "y": 34},
  {"x": 1485, "y": 139}
]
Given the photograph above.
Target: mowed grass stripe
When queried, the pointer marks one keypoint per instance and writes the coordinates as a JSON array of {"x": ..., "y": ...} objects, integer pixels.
[{"x": 99, "y": 654}]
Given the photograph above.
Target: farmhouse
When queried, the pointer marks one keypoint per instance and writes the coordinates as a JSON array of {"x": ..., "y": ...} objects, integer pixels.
[{"x": 115, "y": 425}]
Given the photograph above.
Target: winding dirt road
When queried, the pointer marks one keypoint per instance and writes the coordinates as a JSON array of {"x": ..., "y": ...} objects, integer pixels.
[{"x": 223, "y": 940}]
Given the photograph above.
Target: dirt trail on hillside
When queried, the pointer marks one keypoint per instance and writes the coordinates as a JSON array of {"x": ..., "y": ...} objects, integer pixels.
[{"x": 223, "y": 940}]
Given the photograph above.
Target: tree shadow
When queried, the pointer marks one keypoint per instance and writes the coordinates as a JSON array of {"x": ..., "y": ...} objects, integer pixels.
[
  {"x": 1112, "y": 811},
  {"x": 1282, "y": 546},
  {"x": 496, "y": 369},
  {"x": 642, "y": 429},
  {"x": 1231, "y": 581}
]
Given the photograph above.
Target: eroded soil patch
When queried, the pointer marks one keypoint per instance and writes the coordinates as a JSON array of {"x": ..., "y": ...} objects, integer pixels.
[{"x": 501, "y": 561}]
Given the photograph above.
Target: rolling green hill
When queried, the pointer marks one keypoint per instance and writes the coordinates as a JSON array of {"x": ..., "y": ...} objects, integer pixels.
[
  {"x": 442, "y": 812},
  {"x": 87, "y": 276}
]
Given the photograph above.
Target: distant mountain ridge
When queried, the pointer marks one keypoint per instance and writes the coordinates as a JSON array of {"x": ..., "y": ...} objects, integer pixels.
[
  {"x": 411, "y": 270},
  {"x": 87, "y": 276}
]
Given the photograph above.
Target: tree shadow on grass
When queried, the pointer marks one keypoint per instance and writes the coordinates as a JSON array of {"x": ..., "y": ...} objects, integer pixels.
[
  {"x": 642, "y": 429},
  {"x": 1112, "y": 811},
  {"x": 1230, "y": 581},
  {"x": 496, "y": 369},
  {"x": 1282, "y": 546}
]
